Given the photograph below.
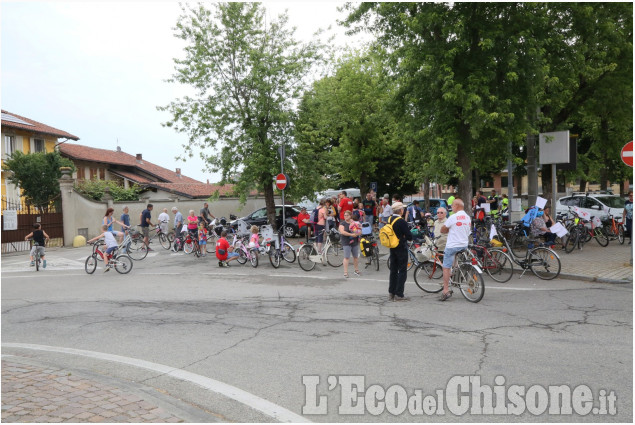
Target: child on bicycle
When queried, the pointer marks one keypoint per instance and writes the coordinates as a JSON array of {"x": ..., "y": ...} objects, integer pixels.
[
  {"x": 254, "y": 239},
  {"x": 111, "y": 245},
  {"x": 39, "y": 236},
  {"x": 202, "y": 238}
]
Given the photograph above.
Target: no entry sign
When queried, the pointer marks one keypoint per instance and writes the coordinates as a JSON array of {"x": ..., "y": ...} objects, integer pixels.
[
  {"x": 627, "y": 154},
  {"x": 282, "y": 181}
]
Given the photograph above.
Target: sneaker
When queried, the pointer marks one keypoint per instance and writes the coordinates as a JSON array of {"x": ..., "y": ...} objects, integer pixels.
[
  {"x": 398, "y": 298},
  {"x": 357, "y": 273},
  {"x": 32, "y": 263},
  {"x": 107, "y": 268},
  {"x": 149, "y": 249},
  {"x": 43, "y": 264},
  {"x": 220, "y": 264}
]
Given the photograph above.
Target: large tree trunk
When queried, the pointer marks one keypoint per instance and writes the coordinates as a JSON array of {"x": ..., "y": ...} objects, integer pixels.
[
  {"x": 270, "y": 202},
  {"x": 426, "y": 194},
  {"x": 363, "y": 185},
  {"x": 465, "y": 183},
  {"x": 583, "y": 185}
]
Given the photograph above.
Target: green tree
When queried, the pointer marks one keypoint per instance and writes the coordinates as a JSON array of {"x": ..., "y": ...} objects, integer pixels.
[
  {"x": 344, "y": 119},
  {"x": 37, "y": 174},
  {"x": 247, "y": 73},
  {"x": 467, "y": 73}
]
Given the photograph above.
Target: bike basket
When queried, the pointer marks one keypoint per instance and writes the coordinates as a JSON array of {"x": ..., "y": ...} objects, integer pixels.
[
  {"x": 334, "y": 236},
  {"x": 423, "y": 253},
  {"x": 367, "y": 229}
]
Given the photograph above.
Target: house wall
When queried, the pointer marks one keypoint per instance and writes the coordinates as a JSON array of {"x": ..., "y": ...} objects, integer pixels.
[
  {"x": 24, "y": 143},
  {"x": 84, "y": 216}
]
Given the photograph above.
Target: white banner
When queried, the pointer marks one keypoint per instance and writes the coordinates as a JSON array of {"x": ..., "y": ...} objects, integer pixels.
[
  {"x": 541, "y": 202},
  {"x": 10, "y": 218},
  {"x": 558, "y": 229}
]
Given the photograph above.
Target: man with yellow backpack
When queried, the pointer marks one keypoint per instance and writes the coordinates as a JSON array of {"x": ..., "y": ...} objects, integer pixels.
[{"x": 394, "y": 236}]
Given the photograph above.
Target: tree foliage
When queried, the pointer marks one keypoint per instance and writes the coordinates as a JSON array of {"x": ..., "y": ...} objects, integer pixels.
[
  {"x": 247, "y": 73},
  {"x": 37, "y": 174}
]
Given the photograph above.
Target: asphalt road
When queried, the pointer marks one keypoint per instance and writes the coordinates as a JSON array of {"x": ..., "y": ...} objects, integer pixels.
[{"x": 237, "y": 342}]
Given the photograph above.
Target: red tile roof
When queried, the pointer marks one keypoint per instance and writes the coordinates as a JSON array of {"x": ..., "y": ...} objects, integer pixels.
[
  {"x": 105, "y": 156},
  {"x": 8, "y": 120},
  {"x": 131, "y": 176}
]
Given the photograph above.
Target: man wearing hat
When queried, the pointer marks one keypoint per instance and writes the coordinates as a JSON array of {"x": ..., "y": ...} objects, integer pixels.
[{"x": 399, "y": 255}]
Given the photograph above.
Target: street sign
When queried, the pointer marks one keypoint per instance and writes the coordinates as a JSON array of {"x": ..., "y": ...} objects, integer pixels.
[
  {"x": 627, "y": 154},
  {"x": 373, "y": 186},
  {"x": 282, "y": 181}
]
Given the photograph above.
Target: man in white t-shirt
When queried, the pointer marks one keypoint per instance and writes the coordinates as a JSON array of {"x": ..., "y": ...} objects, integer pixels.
[{"x": 458, "y": 227}]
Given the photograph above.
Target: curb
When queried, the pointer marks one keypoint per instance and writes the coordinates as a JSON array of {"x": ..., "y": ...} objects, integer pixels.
[{"x": 595, "y": 279}]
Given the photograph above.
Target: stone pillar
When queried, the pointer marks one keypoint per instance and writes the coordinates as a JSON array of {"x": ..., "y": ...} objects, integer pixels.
[{"x": 68, "y": 213}]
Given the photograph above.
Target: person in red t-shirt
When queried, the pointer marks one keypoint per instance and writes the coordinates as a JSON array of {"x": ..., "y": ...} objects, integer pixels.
[
  {"x": 224, "y": 252},
  {"x": 345, "y": 204},
  {"x": 303, "y": 220}
]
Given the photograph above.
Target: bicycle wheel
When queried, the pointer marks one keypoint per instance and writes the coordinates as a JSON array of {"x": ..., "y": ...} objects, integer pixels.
[
  {"x": 91, "y": 264},
  {"x": 376, "y": 258},
  {"x": 571, "y": 240},
  {"x": 422, "y": 279},
  {"x": 470, "y": 282},
  {"x": 600, "y": 236},
  {"x": 123, "y": 263},
  {"x": 242, "y": 256},
  {"x": 620, "y": 234},
  {"x": 253, "y": 258},
  {"x": 188, "y": 247},
  {"x": 482, "y": 233},
  {"x": 137, "y": 250},
  {"x": 171, "y": 237},
  {"x": 518, "y": 245},
  {"x": 544, "y": 263},
  {"x": 210, "y": 248},
  {"x": 37, "y": 262},
  {"x": 304, "y": 259},
  {"x": 499, "y": 265},
  {"x": 335, "y": 255},
  {"x": 274, "y": 257},
  {"x": 288, "y": 253},
  {"x": 165, "y": 242}
]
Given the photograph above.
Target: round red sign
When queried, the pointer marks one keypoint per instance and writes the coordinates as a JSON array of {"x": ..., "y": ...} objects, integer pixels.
[
  {"x": 627, "y": 154},
  {"x": 282, "y": 181}
]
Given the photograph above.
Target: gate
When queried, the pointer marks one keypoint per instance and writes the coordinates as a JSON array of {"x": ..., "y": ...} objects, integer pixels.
[{"x": 52, "y": 223}]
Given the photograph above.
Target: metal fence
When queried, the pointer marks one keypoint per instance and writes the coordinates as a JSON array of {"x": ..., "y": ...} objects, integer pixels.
[{"x": 27, "y": 215}]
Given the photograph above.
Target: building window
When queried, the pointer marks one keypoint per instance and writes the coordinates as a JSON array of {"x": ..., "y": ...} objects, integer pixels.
[
  {"x": 38, "y": 145},
  {"x": 9, "y": 145}
]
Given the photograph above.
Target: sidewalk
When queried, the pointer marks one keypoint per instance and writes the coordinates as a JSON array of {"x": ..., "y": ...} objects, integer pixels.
[
  {"x": 594, "y": 263},
  {"x": 36, "y": 392}
]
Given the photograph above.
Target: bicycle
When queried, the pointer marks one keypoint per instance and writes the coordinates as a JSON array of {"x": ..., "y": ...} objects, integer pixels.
[
  {"x": 430, "y": 261},
  {"x": 245, "y": 253},
  {"x": 190, "y": 244},
  {"x": 541, "y": 260},
  {"x": 120, "y": 261},
  {"x": 132, "y": 244},
  {"x": 373, "y": 256},
  {"x": 614, "y": 229},
  {"x": 412, "y": 258},
  {"x": 580, "y": 233},
  {"x": 276, "y": 247},
  {"x": 495, "y": 261},
  {"x": 466, "y": 275},
  {"x": 331, "y": 254},
  {"x": 37, "y": 258}
]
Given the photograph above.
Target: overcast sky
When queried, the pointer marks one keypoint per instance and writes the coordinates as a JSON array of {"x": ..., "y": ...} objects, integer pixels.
[{"x": 97, "y": 69}]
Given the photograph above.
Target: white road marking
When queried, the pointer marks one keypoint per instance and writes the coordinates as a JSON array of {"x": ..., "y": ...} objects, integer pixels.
[{"x": 268, "y": 408}]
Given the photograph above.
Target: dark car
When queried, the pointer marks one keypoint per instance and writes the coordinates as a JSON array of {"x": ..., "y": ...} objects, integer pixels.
[
  {"x": 259, "y": 217},
  {"x": 435, "y": 204}
]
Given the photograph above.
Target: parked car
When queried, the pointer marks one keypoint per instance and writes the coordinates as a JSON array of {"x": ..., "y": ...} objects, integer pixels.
[
  {"x": 596, "y": 204},
  {"x": 435, "y": 204},
  {"x": 259, "y": 217}
]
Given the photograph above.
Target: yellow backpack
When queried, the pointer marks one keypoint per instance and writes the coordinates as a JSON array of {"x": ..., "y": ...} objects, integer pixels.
[{"x": 387, "y": 235}]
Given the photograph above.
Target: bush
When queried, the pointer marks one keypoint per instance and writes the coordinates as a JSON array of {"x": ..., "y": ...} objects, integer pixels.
[{"x": 96, "y": 189}]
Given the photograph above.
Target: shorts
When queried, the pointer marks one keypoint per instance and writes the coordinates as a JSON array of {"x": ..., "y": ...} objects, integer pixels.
[
  {"x": 39, "y": 249},
  {"x": 351, "y": 249},
  {"x": 232, "y": 254},
  {"x": 145, "y": 231},
  {"x": 318, "y": 233},
  {"x": 110, "y": 250},
  {"x": 448, "y": 256}
]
